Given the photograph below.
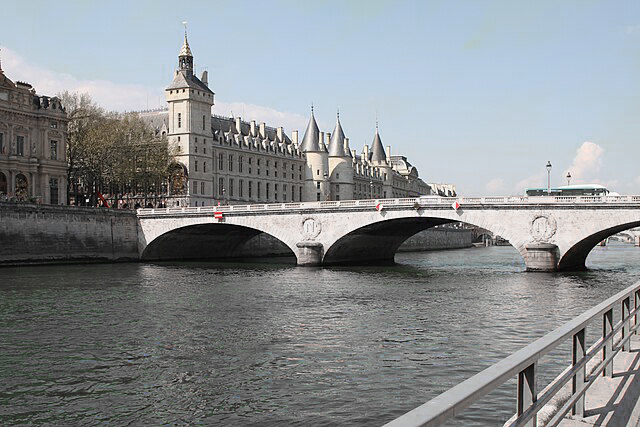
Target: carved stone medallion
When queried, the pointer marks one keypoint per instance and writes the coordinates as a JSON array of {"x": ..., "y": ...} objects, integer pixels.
[
  {"x": 543, "y": 227},
  {"x": 311, "y": 228}
]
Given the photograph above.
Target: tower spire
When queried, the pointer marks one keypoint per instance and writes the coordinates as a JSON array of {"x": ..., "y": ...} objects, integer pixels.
[{"x": 185, "y": 58}]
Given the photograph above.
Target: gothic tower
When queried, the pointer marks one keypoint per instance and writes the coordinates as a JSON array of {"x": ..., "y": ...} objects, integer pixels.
[{"x": 190, "y": 101}]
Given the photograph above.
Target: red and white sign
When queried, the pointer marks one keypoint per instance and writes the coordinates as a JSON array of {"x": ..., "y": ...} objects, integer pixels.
[
  {"x": 455, "y": 205},
  {"x": 217, "y": 215},
  {"x": 379, "y": 207}
]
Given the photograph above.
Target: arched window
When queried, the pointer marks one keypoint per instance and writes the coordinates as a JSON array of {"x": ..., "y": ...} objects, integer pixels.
[
  {"x": 177, "y": 179},
  {"x": 22, "y": 187},
  {"x": 3, "y": 183}
]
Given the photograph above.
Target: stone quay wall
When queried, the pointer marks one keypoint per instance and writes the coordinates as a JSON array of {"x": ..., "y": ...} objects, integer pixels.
[
  {"x": 40, "y": 234},
  {"x": 438, "y": 239}
]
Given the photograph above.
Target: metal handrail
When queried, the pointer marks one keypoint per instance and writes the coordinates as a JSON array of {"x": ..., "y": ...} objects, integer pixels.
[
  {"x": 399, "y": 202},
  {"x": 523, "y": 363}
]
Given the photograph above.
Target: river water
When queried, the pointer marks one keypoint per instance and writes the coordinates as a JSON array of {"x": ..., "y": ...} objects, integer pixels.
[{"x": 204, "y": 344}]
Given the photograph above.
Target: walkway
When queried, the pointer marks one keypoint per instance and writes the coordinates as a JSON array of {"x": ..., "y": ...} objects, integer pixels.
[{"x": 614, "y": 402}]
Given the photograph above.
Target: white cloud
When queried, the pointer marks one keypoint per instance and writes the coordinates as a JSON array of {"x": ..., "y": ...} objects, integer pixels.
[
  {"x": 111, "y": 96},
  {"x": 584, "y": 169},
  {"x": 132, "y": 97},
  {"x": 495, "y": 185},
  {"x": 586, "y": 164}
]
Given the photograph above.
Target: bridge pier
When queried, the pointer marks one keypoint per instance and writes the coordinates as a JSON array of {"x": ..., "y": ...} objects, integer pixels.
[
  {"x": 541, "y": 257},
  {"x": 310, "y": 253}
]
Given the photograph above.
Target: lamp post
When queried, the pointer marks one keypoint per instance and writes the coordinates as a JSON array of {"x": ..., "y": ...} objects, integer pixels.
[
  {"x": 371, "y": 189},
  {"x": 568, "y": 178},
  {"x": 549, "y": 178}
]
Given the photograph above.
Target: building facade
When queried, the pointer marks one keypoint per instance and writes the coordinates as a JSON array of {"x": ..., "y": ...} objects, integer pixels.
[
  {"x": 33, "y": 140},
  {"x": 229, "y": 160}
]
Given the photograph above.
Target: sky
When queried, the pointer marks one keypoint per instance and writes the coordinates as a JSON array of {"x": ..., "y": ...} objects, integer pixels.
[{"x": 477, "y": 93}]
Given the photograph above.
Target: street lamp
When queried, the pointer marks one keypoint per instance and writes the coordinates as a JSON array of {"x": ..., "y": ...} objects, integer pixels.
[
  {"x": 568, "y": 178},
  {"x": 549, "y": 178},
  {"x": 371, "y": 189}
]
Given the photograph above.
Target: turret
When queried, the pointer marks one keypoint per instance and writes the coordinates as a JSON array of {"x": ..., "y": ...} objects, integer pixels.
[
  {"x": 381, "y": 160},
  {"x": 340, "y": 169},
  {"x": 317, "y": 171}
]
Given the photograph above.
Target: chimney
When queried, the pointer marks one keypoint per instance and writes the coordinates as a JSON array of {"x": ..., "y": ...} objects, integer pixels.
[
  {"x": 346, "y": 145},
  {"x": 328, "y": 138},
  {"x": 253, "y": 128},
  {"x": 366, "y": 153},
  {"x": 353, "y": 154},
  {"x": 321, "y": 137},
  {"x": 388, "y": 153},
  {"x": 263, "y": 130},
  {"x": 294, "y": 137},
  {"x": 205, "y": 78},
  {"x": 280, "y": 134}
]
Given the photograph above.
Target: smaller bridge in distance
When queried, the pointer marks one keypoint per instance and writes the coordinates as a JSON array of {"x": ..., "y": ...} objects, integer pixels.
[{"x": 551, "y": 233}]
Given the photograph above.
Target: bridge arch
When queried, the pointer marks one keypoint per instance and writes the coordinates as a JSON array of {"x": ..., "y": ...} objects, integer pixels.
[
  {"x": 210, "y": 241},
  {"x": 376, "y": 240},
  {"x": 574, "y": 259}
]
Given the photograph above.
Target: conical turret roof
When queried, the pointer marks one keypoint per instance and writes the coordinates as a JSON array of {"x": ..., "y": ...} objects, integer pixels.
[
  {"x": 377, "y": 149},
  {"x": 311, "y": 139},
  {"x": 336, "y": 145}
]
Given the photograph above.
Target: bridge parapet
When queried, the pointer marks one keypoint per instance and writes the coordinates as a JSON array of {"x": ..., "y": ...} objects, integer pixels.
[{"x": 424, "y": 201}]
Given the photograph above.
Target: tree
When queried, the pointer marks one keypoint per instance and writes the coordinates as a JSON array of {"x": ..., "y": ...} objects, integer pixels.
[
  {"x": 112, "y": 153},
  {"x": 84, "y": 115}
]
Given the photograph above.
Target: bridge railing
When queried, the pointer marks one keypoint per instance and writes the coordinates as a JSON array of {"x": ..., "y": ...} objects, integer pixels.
[
  {"x": 400, "y": 202},
  {"x": 524, "y": 365}
]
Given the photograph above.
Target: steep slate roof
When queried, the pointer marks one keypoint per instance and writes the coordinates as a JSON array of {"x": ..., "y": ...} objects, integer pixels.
[
  {"x": 377, "y": 149},
  {"x": 184, "y": 80},
  {"x": 311, "y": 140},
  {"x": 336, "y": 145}
]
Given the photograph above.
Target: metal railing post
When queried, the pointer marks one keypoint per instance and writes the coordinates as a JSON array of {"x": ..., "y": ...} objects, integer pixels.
[
  {"x": 527, "y": 393},
  {"x": 636, "y": 304},
  {"x": 626, "y": 322},
  {"x": 607, "y": 328},
  {"x": 578, "y": 379}
]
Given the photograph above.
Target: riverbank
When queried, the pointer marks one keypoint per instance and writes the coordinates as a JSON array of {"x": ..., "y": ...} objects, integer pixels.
[{"x": 46, "y": 234}]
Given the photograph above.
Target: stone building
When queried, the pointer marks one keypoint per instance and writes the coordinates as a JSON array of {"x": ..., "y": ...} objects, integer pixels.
[
  {"x": 33, "y": 138},
  {"x": 228, "y": 160}
]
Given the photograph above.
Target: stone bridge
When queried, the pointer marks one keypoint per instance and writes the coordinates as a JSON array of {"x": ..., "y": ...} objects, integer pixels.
[{"x": 551, "y": 233}]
